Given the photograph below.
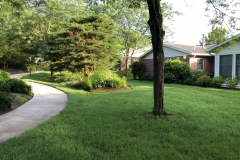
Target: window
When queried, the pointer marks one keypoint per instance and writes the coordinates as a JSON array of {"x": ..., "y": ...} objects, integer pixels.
[
  {"x": 200, "y": 64},
  {"x": 226, "y": 66},
  {"x": 238, "y": 66}
]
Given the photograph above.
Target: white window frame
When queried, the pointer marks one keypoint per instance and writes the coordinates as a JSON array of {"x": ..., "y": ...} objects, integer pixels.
[
  {"x": 202, "y": 69},
  {"x": 237, "y": 66},
  {"x": 221, "y": 65}
]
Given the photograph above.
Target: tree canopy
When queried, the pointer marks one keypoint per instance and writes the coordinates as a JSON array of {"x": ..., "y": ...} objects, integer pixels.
[
  {"x": 84, "y": 44},
  {"x": 217, "y": 35}
]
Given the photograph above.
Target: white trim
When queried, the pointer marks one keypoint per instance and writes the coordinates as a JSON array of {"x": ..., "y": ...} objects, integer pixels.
[{"x": 218, "y": 45}]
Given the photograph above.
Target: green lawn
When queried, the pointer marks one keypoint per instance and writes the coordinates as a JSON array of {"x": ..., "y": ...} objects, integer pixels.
[{"x": 115, "y": 125}]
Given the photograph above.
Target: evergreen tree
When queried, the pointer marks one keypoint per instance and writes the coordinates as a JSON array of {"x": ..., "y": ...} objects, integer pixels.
[{"x": 84, "y": 44}]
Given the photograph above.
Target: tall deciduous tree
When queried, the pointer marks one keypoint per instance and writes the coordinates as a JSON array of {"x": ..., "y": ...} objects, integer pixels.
[
  {"x": 225, "y": 13},
  {"x": 217, "y": 35},
  {"x": 156, "y": 26}
]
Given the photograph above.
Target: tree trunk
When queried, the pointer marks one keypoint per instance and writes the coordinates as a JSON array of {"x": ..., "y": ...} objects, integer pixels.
[
  {"x": 126, "y": 61},
  {"x": 156, "y": 28}
]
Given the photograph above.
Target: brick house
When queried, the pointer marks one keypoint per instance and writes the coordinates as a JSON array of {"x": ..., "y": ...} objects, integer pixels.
[{"x": 196, "y": 56}]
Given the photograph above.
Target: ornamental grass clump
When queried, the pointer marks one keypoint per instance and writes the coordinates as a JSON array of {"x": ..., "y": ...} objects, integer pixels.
[{"x": 100, "y": 79}]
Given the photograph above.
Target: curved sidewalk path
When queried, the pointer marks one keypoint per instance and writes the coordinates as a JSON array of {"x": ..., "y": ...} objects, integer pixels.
[{"x": 46, "y": 103}]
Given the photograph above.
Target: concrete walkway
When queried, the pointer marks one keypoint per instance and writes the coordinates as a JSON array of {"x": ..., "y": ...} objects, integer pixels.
[{"x": 46, "y": 103}]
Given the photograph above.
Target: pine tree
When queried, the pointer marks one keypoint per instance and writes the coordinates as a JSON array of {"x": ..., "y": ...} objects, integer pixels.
[{"x": 84, "y": 44}]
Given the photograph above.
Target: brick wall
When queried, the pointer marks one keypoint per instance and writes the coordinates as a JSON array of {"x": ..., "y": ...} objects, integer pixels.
[{"x": 149, "y": 65}]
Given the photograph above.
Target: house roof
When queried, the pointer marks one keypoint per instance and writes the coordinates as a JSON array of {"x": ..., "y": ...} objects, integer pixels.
[
  {"x": 187, "y": 49},
  {"x": 218, "y": 45}
]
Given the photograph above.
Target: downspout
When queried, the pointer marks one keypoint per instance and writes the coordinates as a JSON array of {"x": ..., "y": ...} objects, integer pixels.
[{"x": 203, "y": 42}]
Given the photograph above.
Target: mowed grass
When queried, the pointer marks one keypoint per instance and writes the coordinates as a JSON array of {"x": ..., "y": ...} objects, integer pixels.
[{"x": 116, "y": 125}]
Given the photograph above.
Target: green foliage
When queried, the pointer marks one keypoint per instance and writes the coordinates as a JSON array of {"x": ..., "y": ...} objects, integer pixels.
[
  {"x": 217, "y": 81},
  {"x": 216, "y": 36},
  {"x": 169, "y": 77},
  {"x": 232, "y": 83},
  {"x": 194, "y": 75},
  {"x": 84, "y": 44},
  {"x": 176, "y": 71},
  {"x": 19, "y": 86},
  {"x": 101, "y": 79},
  {"x": 5, "y": 87},
  {"x": 138, "y": 69},
  {"x": 5, "y": 101},
  {"x": 4, "y": 76},
  {"x": 225, "y": 12},
  {"x": 147, "y": 77},
  {"x": 204, "y": 81},
  {"x": 69, "y": 77},
  {"x": 226, "y": 45},
  {"x": 27, "y": 67}
]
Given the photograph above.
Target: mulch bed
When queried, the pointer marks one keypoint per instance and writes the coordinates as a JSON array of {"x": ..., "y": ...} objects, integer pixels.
[{"x": 103, "y": 89}]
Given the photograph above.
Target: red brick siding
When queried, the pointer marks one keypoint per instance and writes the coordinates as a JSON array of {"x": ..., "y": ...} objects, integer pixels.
[
  {"x": 149, "y": 65},
  {"x": 208, "y": 63}
]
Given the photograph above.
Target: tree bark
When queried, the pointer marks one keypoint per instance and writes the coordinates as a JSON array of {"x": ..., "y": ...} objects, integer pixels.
[{"x": 155, "y": 22}]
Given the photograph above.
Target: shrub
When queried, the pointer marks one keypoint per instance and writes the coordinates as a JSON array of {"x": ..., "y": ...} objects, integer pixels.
[
  {"x": 69, "y": 77},
  {"x": 4, "y": 76},
  {"x": 169, "y": 78},
  {"x": 27, "y": 67},
  {"x": 204, "y": 81},
  {"x": 232, "y": 83},
  {"x": 19, "y": 86},
  {"x": 178, "y": 68},
  {"x": 5, "y": 101},
  {"x": 5, "y": 87},
  {"x": 101, "y": 79},
  {"x": 217, "y": 81},
  {"x": 147, "y": 77},
  {"x": 138, "y": 69},
  {"x": 194, "y": 75}
]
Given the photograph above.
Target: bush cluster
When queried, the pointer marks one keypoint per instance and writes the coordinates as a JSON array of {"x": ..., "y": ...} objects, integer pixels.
[
  {"x": 232, "y": 83},
  {"x": 4, "y": 76},
  {"x": 19, "y": 86},
  {"x": 5, "y": 101},
  {"x": 138, "y": 69},
  {"x": 8, "y": 85},
  {"x": 194, "y": 76},
  {"x": 101, "y": 79},
  {"x": 69, "y": 77},
  {"x": 176, "y": 71}
]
